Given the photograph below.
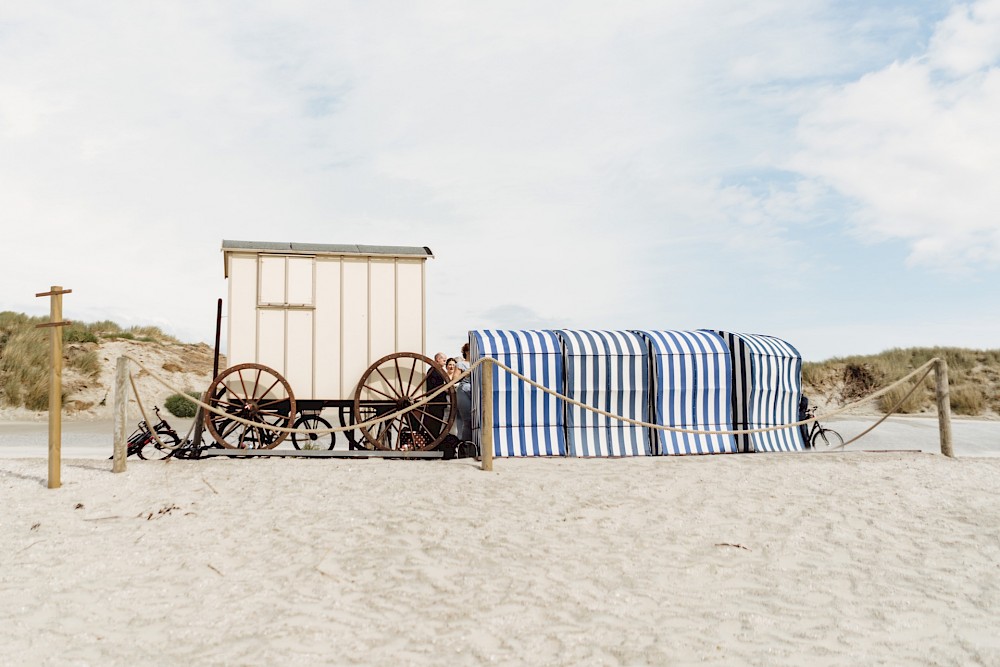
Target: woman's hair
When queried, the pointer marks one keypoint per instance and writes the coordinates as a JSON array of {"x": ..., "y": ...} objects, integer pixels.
[
  {"x": 451, "y": 360},
  {"x": 465, "y": 351}
]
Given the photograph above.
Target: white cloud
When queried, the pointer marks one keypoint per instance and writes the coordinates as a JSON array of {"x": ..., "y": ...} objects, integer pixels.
[
  {"x": 917, "y": 145},
  {"x": 967, "y": 40}
]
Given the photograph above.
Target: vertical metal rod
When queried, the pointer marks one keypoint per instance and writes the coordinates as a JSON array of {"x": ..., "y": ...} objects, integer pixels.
[
  {"x": 486, "y": 427},
  {"x": 218, "y": 339},
  {"x": 55, "y": 391},
  {"x": 120, "y": 414},
  {"x": 943, "y": 406}
]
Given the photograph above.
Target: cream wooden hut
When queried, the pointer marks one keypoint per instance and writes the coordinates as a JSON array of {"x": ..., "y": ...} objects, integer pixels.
[{"x": 321, "y": 314}]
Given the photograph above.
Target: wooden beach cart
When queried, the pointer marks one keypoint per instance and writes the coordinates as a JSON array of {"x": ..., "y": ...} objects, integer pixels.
[{"x": 322, "y": 333}]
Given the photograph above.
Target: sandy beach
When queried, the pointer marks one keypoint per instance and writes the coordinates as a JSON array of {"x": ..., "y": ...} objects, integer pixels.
[{"x": 791, "y": 559}]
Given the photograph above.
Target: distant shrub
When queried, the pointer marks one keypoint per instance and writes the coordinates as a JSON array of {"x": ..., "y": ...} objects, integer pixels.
[
  {"x": 861, "y": 380},
  {"x": 967, "y": 400},
  {"x": 179, "y": 406}
]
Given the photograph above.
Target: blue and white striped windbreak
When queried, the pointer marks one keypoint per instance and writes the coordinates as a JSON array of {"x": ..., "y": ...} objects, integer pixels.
[
  {"x": 608, "y": 370},
  {"x": 526, "y": 420},
  {"x": 767, "y": 379},
  {"x": 693, "y": 387}
]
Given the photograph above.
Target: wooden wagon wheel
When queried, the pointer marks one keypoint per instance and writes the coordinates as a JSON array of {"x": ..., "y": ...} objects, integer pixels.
[
  {"x": 395, "y": 382},
  {"x": 253, "y": 392}
]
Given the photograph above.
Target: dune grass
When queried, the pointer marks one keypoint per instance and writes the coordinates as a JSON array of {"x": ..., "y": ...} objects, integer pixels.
[
  {"x": 24, "y": 354},
  {"x": 973, "y": 375}
]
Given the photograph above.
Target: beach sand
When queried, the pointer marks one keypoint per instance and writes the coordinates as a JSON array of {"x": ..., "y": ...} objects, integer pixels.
[{"x": 790, "y": 559}]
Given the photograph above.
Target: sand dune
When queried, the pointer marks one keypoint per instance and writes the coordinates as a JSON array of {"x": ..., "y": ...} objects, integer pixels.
[{"x": 820, "y": 559}]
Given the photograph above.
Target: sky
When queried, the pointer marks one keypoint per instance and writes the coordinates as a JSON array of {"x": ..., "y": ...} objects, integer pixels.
[{"x": 824, "y": 172}]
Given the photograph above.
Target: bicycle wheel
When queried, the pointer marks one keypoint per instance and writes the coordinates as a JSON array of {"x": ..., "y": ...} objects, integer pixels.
[
  {"x": 826, "y": 438},
  {"x": 312, "y": 440},
  {"x": 152, "y": 451}
]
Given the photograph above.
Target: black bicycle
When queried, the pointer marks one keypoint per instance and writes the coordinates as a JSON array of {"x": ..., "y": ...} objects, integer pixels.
[
  {"x": 144, "y": 445},
  {"x": 820, "y": 437}
]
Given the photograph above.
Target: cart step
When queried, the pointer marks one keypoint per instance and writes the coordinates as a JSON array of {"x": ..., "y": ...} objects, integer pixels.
[{"x": 324, "y": 453}]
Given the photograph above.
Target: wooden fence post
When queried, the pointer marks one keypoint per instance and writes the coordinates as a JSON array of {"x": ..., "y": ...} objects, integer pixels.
[
  {"x": 486, "y": 427},
  {"x": 943, "y": 406},
  {"x": 120, "y": 414}
]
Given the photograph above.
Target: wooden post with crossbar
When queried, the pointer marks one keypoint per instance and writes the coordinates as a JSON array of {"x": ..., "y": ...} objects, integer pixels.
[
  {"x": 56, "y": 324},
  {"x": 943, "y": 406},
  {"x": 486, "y": 412}
]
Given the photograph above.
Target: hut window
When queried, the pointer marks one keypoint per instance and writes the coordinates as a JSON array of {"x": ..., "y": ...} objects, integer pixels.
[{"x": 285, "y": 281}]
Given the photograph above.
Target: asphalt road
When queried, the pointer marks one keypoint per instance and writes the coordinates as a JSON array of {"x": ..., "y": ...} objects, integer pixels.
[{"x": 93, "y": 439}]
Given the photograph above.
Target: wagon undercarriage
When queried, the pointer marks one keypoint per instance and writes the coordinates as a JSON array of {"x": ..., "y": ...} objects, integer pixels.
[{"x": 256, "y": 402}]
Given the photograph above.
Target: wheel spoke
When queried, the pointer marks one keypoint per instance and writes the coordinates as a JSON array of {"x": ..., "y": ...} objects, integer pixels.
[
  {"x": 399, "y": 425},
  {"x": 268, "y": 389},
  {"x": 379, "y": 371},
  {"x": 422, "y": 383},
  {"x": 376, "y": 391},
  {"x": 229, "y": 428},
  {"x": 243, "y": 435},
  {"x": 399, "y": 376},
  {"x": 228, "y": 404},
  {"x": 256, "y": 382},
  {"x": 383, "y": 431},
  {"x": 434, "y": 417},
  {"x": 243, "y": 384},
  {"x": 413, "y": 374}
]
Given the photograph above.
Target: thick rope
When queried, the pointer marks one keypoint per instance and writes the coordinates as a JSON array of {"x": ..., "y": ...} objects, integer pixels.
[
  {"x": 571, "y": 401},
  {"x": 888, "y": 413}
]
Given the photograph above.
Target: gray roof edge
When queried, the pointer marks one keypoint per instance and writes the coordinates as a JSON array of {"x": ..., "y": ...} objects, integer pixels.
[{"x": 327, "y": 248}]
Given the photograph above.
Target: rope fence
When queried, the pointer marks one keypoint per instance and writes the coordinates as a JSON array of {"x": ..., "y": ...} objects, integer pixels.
[{"x": 934, "y": 364}]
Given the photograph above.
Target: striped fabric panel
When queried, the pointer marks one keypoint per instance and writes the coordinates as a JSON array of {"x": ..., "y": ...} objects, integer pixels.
[
  {"x": 526, "y": 420},
  {"x": 693, "y": 388},
  {"x": 608, "y": 370},
  {"x": 769, "y": 382}
]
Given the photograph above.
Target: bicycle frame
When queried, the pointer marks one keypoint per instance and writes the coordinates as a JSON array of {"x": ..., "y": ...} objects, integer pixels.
[{"x": 142, "y": 436}]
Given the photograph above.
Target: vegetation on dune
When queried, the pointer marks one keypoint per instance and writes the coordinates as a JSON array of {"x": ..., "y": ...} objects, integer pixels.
[
  {"x": 179, "y": 406},
  {"x": 973, "y": 378},
  {"x": 24, "y": 354},
  {"x": 24, "y": 367}
]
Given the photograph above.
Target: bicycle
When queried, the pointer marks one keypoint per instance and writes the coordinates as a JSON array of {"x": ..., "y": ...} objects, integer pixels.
[
  {"x": 144, "y": 445},
  {"x": 820, "y": 437}
]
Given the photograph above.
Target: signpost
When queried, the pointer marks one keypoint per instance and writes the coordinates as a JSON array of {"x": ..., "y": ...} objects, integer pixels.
[{"x": 55, "y": 383}]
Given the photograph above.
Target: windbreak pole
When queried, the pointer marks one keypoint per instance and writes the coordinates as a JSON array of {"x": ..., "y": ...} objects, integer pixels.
[{"x": 486, "y": 427}]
